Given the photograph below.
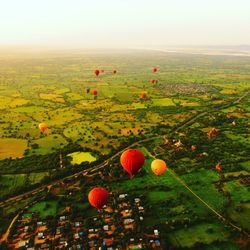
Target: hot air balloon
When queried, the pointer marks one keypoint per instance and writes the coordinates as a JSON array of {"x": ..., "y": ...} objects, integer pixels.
[
  {"x": 97, "y": 72},
  {"x": 212, "y": 133},
  {"x": 114, "y": 71},
  {"x": 218, "y": 167},
  {"x": 158, "y": 167},
  {"x": 152, "y": 81},
  {"x": 98, "y": 197},
  {"x": 43, "y": 127},
  {"x": 94, "y": 92},
  {"x": 154, "y": 69},
  {"x": 132, "y": 161},
  {"x": 143, "y": 95}
]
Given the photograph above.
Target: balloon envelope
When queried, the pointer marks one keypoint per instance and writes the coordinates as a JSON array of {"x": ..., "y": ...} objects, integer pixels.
[
  {"x": 154, "y": 69},
  {"x": 94, "y": 92},
  {"x": 97, "y": 72},
  {"x": 152, "y": 81},
  {"x": 132, "y": 161},
  {"x": 158, "y": 167},
  {"x": 143, "y": 95},
  {"x": 98, "y": 197},
  {"x": 43, "y": 126}
]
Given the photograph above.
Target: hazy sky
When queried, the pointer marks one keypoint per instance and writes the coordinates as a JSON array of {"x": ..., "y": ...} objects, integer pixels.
[{"x": 124, "y": 23}]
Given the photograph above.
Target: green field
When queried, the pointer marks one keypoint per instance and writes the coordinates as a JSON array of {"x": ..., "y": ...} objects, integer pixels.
[
  {"x": 193, "y": 94},
  {"x": 44, "y": 209},
  {"x": 79, "y": 157}
]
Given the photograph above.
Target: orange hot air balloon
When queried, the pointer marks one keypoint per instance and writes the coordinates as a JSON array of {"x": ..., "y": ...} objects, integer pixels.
[
  {"x": 154, "y": 69},
  {"x": 98, "y": 197},
  {"x": 132, "y": 161},
  {"x": 218, "y": 167},
  {"x": 114, "y": 71},
  {"x": 43, "y": 127},
  {"x": 152, "y": 81},
  {"x": 193, "y": 147},
  {"x": 212, "y": 133},
  {"x": 94, "y": 92},
  {"x": 143, "y": 95},
  {"x": 97, "y": 72},
  {"x": 158, "y": 167}
]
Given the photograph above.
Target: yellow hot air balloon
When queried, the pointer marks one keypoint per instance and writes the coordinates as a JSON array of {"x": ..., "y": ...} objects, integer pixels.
[
  {"x": 158, "y": 167},
  {"x": 43, "y": 127}
]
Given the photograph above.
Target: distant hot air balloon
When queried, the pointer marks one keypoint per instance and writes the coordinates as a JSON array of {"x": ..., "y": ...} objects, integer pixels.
[
  {"x": 98, "y": 197},
  {"x": 143, "y": 95},
  {"x": 97, "y": 72},
  {"x": 218, "y": 167},
  {"x": 154, "y": 69},
  {"x": 152, "y": 81},
  {"x": 94, "y": 92},
  {"x": 212, "y": 133},
  {"x": 158, "y": 167},
  {"x": 132, "y": 161},
  {"x": 114, "y": 71},
  {"x": 43, "y": 127}
]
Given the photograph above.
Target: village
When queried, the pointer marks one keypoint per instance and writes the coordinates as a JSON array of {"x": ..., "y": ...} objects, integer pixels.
[{"x": 119, "y": 225}]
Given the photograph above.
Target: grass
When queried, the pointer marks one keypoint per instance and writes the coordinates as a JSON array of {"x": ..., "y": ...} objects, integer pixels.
[
  {"x": 44, "y": 208},
  {"x": 10, "y": 183},
  {"x": 79, "y": 157},
  {"x": 205, "y": 233},
  {"x": 49, "y": 143},
  {"x": 159, "y": 196},
  {"x": 11, "y": 147},
  {"x": 163, "y": 102}
]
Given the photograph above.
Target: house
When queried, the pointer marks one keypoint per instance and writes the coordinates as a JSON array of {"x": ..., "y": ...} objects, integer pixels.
[
  {"x": 40, "y": 235},
  {"x": 137, "y": 200},
  {"x": 156, "y": 232},
  {"x": 128, "y": 221},
  {"x": 122, "y": 196},
  {"x": 39, "y": 224},
  {"x": 62, "y": 218}
]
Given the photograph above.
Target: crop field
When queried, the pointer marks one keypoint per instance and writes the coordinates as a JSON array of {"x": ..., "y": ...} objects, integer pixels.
[{"x": 192, "y": 95}]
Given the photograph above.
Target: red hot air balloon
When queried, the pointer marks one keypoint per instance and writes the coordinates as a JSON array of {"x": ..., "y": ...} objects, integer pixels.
[
  {"x": 218, "y": 167},
  {"x": 154, "y": 70},
  {"x": 98, "y": 197},
  {"x": 132, "y": 161},
  {"x": 158, "y": 167},
  {"x": 43, "y": 127},
  {"x": 114, "y": 71},
  {"x": 143, "y": 95},
  {"x": 152, "y": 81},
  {"x": 94, "y": 92},
  {"x": 97, "y": 72}
]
